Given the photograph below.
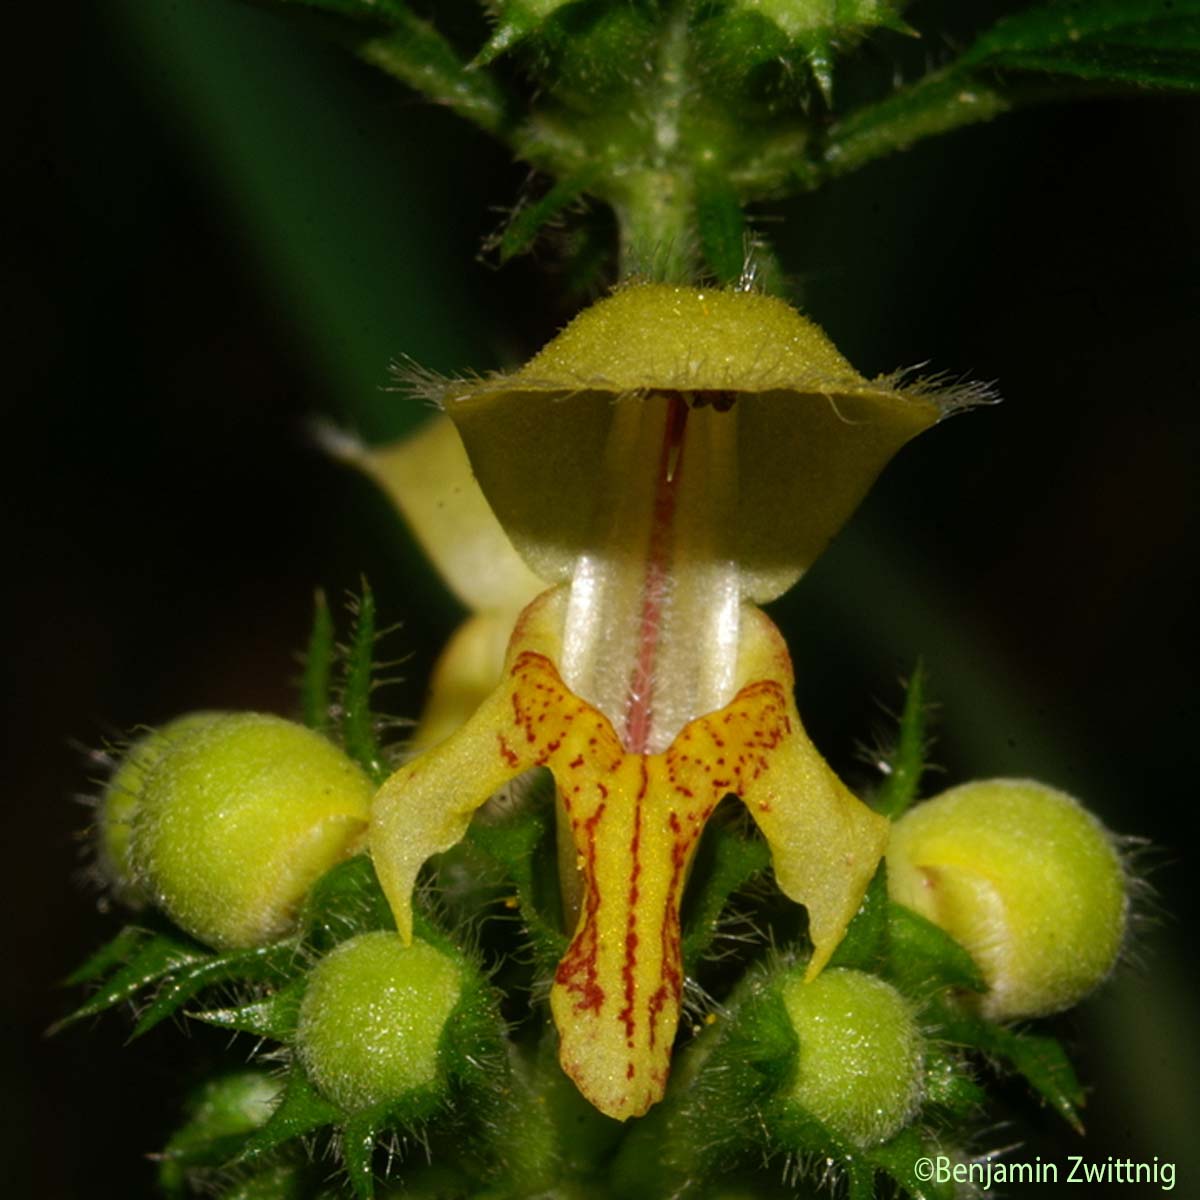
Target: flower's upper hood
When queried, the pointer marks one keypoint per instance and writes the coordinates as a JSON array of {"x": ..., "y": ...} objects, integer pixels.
[{"x": 799, "y": 435}]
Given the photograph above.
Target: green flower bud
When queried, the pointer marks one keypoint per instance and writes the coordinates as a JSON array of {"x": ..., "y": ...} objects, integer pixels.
[
  {"x": 372, "y": 1019},
  {"x": 748, "y": 35},
  {"x": 1026, "y": 879},
  {"x": 123, "y": 795},
  {"x": 238, "y": 819},
  {"x": 515, "y": 21},
  {"x": 219, "y": 1114},
  {"x": 859, "y": 1066},
  {"x": 801, "y": 19}
]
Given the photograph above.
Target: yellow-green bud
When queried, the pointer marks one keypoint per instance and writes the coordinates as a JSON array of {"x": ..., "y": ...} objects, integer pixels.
[
  {"x": 123, "y": 795},
  {"x": 1027, "y": 880},
  {"x": 859, "y": 1067},
  {"x": 238, "y": 819},
  {"x": 372, "y": 1018}
]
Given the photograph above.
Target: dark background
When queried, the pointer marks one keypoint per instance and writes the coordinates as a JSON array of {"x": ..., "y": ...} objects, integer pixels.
[{"x": 219, "y": 228}]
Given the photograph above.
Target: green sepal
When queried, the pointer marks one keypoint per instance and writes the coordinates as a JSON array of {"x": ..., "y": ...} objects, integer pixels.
[
  {"x": 590, "y": 51},
  {"x": 905, "y": 762},
  {"x": 274, "y": 1016},
  {"x": 530, "y": 219},
  {"x": 302, "y": 1110},
  {"x": 315, "y": 696},
  {"x": 866, "y": 942},
  {"x": 802, "y": 1133},
  {"x": 738, "y": 53},
  {"x": 1044, "y": 1065},
  {"x": 358, "y": 1150},
  {"x": 888, "y": 939},
  {"x": 345, "y": 901},
  {"x": 923, "y": 959},
  {"x": 949, "y": 1086},
  {"x": 222, "y": 1114},
  {"x": 152, "y": 960},
  {"x": 725, "y": 862},
  {"x": 897, "y": 1158},
  {"x": 358, "y": 720},
  {"x": 756, "y": 45},
  {"x": 519, "y": 841},
  {"x": 1039, "y": 1059},
  {"x": 517, "y": 20},
  {"x": 112, "y": 954},
  {"x": 262, "y": 964},
  {"x": 546, "y": 1132}
]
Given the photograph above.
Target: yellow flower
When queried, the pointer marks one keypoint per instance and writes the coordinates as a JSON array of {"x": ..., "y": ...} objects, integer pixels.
[{"x": 670, "y": 459}]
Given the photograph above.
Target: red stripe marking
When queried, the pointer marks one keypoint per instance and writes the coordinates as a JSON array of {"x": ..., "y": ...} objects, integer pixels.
[
  {"x": 639, "y": 715},
  {"x": 508, "y": 753},
  {"x": 580, "y": 958},
  {"x": 629, "y": 966}
]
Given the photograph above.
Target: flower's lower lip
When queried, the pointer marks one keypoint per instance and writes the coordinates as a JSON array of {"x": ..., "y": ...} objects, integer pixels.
[{"x": 630, "y": 823}]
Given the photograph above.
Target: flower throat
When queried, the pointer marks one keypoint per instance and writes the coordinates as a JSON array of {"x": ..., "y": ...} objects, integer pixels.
[{"x": 651, "y": 630}]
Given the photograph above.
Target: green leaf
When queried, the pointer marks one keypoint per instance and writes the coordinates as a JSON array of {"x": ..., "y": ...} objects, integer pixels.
[
  {"x": 940, "y": 102},
  {"x": 261, "y": 964},
  {"x": 1148, "y": 43},
  {"x": 1052, "y": 52},
  {"x": 923, "y": 959},
  {"x": 318, "y": 665},
  {"x": 358, "y": 721},
  {"x": 905, "y": 764},
  {"x": 158, "y": 957},
  {"x": 414, "y": 52},
  {"x": 417, "y": 55},
  {"x": 273, "y": 1016}
]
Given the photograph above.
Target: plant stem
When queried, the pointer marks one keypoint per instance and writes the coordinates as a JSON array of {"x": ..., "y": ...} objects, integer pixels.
[
  {"x": 655, "y": 202},
  {"x": 656, "y": 218}
]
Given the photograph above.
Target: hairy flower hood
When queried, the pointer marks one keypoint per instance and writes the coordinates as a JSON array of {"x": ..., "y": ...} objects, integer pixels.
[{"x": 797, "y": 435}]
